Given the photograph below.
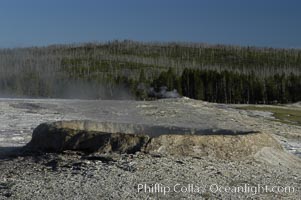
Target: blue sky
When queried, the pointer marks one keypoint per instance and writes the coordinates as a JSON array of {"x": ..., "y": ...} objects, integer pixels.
[{"x": 274, "y": 23}]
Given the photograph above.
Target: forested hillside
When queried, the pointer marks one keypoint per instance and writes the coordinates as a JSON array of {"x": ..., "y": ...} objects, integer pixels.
[{"x": 135, "y": 70}]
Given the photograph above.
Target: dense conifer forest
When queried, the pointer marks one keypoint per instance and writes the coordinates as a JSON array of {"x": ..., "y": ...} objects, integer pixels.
[{"x": 137, "y": 70}]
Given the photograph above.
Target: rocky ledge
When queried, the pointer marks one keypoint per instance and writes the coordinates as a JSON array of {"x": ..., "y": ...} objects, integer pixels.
[{"x": 109, "y": 137}]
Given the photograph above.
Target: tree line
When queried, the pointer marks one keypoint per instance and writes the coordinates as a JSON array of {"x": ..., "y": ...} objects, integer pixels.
[
  {"x": 232, "y": 87},
  {"x": 129, "y": 69}
]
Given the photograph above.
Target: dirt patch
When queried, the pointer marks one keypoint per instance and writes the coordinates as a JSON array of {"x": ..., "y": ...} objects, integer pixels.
[{"x": 283, "y": 114}]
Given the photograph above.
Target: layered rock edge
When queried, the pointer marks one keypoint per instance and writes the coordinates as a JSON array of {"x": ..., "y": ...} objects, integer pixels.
[{"x": 106, "y": 137}]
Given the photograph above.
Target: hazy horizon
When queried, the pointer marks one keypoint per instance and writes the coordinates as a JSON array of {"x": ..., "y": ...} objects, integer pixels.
[
  {"x": 241, "y": 23},
  {"x": 82, "y": 43}
]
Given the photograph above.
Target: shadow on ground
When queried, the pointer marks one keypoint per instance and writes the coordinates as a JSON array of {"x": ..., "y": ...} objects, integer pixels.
[{"x": 10, "y": 152}]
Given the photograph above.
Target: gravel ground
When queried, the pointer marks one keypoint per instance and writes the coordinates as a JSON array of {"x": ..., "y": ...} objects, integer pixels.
[{"x": 76, "y": 176}]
